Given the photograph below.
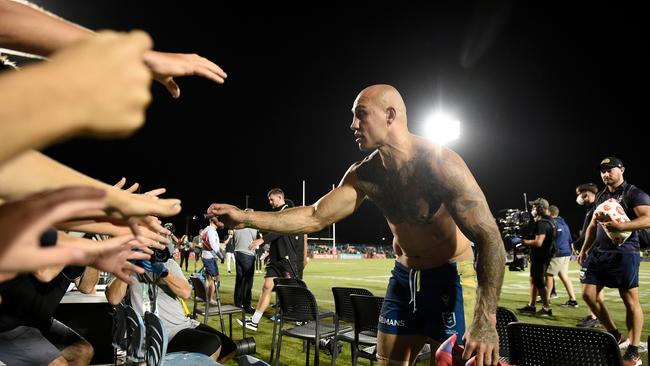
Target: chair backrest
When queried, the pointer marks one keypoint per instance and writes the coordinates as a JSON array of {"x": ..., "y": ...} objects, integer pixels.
[
  {"x": 505, "y": 316},
  {"x": 199, "y": 288},
  {"x": 135, "y": 333},
  {"x": 539, "y": 344},
  {"x": 119, "y": 339},
  {"x": 289, "y": 282},
  {"x": 343, "y": 304},
  {"x": 156, "y": 339},
  {"x": 296, "y": 303},
  {"x": 366, "y": 312}
]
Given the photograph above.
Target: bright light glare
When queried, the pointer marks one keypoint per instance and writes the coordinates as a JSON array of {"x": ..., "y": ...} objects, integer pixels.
[{"x": 442, "y": 128}]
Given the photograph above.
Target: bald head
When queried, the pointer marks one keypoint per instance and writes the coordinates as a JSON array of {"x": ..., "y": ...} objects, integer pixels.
[{"x": 383, "y": 96}]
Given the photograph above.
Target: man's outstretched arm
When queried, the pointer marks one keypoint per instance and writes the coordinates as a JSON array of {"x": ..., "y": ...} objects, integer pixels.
[
  {"x": 468, "y": 206},
  {"x": 334, "y": 206}
]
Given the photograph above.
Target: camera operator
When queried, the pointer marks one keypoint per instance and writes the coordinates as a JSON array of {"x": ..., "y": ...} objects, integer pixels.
[
  {"x": 185, "y": 334},
  {"x": 542, "y": 250}
]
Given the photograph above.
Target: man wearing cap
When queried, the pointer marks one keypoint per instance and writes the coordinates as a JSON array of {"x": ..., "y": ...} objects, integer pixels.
[
  {"x": 541, "y": 252},
  {"x": 616, "y": 266}
]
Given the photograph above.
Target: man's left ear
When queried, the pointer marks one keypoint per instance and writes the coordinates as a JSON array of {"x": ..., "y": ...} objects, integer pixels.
[{"x": 391, "y": 114}]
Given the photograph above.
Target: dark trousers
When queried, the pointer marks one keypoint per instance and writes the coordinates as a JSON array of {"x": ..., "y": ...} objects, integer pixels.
[
  {"x": 245, "y": 265},
  {"x": 185, "y": 257}
]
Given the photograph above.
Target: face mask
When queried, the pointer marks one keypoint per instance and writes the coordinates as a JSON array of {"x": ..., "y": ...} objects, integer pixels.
[
  {"x": 580, "y": 200},
  {"x": 533, "y": 212}
]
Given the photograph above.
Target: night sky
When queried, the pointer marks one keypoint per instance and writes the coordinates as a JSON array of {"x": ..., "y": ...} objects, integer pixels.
[{"x": 543, "y": 93}]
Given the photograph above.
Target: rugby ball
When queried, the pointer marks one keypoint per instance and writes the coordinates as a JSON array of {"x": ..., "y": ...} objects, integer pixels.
[{"x": 613, "y": 211}]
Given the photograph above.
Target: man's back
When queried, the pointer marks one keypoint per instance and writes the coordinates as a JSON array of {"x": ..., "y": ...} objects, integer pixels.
[{"x": 242, "y": 239}]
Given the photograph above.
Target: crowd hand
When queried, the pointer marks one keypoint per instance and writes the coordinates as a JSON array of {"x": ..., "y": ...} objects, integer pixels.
[
  {"x": 23, "y": 222},
  {"x": 115, "y": 256},
  {"x": 120, "y": 184},
  {"x": 255, "y": 243},
  {"x": 227, "y": 215},
  {"x": 153, "y": 267},
  {"x": 482, "y": 340},
  {"x": 106, "y": 78},
  {"x": 165, "y": 66},
  {"x": 124, "y": 204}
]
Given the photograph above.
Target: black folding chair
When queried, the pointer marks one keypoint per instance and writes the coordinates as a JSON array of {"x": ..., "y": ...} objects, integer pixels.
[
  {"x": 207, "y": 310},
  {"x": 297, "y": 303},
  {"x": 539, "y": 344},
  {"x": 287, "y": 282},
  {"x": 505, "y": 316},
  {"x": 345, "y": 313},
  {"x": 366, "y": 321}
]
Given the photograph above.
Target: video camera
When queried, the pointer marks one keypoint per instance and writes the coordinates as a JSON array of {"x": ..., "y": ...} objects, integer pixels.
[
  {"x": 513, "y": 222},
  {"x": 515, "y": 225}
]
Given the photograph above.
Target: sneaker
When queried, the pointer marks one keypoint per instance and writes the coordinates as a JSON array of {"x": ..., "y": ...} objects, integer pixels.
[
  {"x": 623, "y": 342},
  {"x": 554, "y": 295},
  {"x": 213, "y": 302},
  {"x": 544, "y": 312},
  {"x": 631, "y": 360},
  {"x": 588, "y": 322},
  {"x": 528, "y": 309},
  {"x": 249, "y": 324},
  {"x": 570, "y": 304}
]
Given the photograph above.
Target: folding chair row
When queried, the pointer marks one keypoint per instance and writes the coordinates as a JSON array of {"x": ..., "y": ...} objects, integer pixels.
[{"x": 200, "y": 296}]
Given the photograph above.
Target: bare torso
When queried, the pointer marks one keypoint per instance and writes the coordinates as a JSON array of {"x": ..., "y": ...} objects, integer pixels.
[{"x": 411, "y": 200}]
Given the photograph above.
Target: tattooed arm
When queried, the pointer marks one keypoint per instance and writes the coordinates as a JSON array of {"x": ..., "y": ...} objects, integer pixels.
[{"x": 466, "y": 203}]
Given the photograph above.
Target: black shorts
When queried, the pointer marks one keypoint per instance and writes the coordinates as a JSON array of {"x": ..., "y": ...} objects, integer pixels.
[
  {"x": 538, "y": 269},
  {"x": 283, "y": 268}
]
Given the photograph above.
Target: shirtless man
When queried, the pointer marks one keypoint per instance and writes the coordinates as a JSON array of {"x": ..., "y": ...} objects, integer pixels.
[{"x": 424, "y": 190}]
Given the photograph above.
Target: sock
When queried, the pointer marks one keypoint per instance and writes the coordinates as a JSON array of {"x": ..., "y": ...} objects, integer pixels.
[
  {"x": 632, "y": 350},
  {"x": 257, "y": 316}
]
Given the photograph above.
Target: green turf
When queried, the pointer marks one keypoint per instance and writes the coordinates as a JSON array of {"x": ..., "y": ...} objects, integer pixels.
[{"x": 321, "y": 275}]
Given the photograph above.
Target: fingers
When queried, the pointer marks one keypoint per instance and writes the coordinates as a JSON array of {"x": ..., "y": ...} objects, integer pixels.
[
  {"x": 172, "y": 87},
  {"x": 120, "y": 183},
  {"x": 133, "y": 188},
  {"x": 155, "y": 192},
  {"x": 140, "y": 40}
]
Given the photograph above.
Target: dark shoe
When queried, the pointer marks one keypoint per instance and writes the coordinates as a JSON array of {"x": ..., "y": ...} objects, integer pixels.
[
  {"x": 528, "y": 309},
  {"x": 588, "y": 322},
  {"x": 570, "y": 304},
  {"x": 249, "y": 310},
  {"x": 631, "y": 359},
  {"x": 544, "y": 312}
]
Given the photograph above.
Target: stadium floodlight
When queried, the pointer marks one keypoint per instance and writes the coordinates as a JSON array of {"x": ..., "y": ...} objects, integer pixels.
[{"x": 441, "y": 128}]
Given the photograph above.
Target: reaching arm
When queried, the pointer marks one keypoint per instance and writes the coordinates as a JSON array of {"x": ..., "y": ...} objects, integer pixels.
[
  {"x": 467, "y": 205},
  {"x": 29, "y": 29},
  {"x": 334, "y": 206},
  {"x": 33, "y": 172},
  {"x": 178, "y": 285}
]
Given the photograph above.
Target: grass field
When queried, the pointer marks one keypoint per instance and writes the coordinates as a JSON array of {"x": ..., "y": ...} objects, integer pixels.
[{"x": 321, "y": 275}]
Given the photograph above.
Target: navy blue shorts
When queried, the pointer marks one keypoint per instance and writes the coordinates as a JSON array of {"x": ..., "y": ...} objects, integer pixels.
[
  {"x": 211, "y": 267},
  {"x": 427, "y": 302},
  {"x": 611, "y": 269}
]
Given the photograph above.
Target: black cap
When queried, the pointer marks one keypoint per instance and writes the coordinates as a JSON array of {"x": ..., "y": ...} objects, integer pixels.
[
  {"x": 611, "y": 162},
  {"x": 541, "y": 202}
]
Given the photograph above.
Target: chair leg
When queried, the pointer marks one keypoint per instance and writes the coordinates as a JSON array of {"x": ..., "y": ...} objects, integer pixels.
[
  {"x": 207, "y": 310},
  {"x": 275, "y": 327},
  {"x": 317, "y": 350},
  {"x": 335, "y": 350},
  {"x": 353, "y": 353},
  {"x": 307, "y": 355},
  {"x": 230, "y": 323},
  {"x": 279, "y": 347}
]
